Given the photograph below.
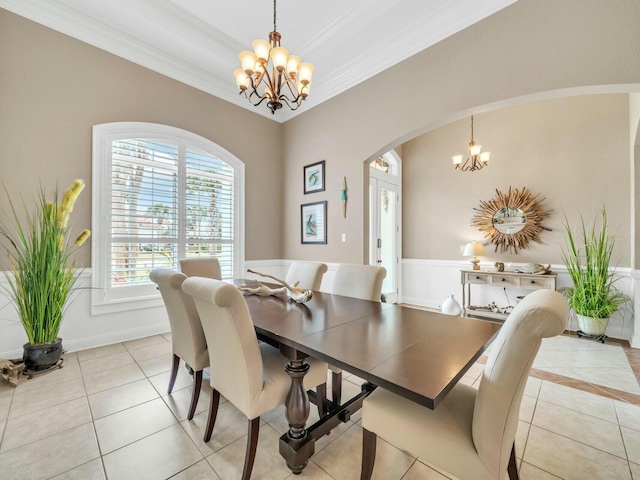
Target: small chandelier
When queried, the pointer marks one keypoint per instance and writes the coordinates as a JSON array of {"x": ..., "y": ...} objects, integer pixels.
[
  {"x": 475, "y": 160},
  {"x": 287, "y": 80}
]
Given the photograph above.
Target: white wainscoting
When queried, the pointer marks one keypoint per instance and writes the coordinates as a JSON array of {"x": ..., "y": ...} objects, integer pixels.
[
  {"x": 81, "y": 330},
  {"x": 425, "y": 283},
  {"x": 429, "y": 282}
]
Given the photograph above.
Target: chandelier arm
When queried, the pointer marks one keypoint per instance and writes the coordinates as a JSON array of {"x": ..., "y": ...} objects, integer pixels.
[
  {"x": 254, "y": 84},
  {"x": 288, "y": 100},
  {"x": 248, "y": 97},
  {"x": 294, "y": 91}
]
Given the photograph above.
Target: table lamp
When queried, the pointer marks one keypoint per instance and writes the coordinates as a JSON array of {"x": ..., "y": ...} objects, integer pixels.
[{"x": 473, "y": 249}]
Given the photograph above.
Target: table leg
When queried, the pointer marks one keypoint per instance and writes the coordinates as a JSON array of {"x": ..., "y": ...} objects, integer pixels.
[{"x": 296, "y": 446}]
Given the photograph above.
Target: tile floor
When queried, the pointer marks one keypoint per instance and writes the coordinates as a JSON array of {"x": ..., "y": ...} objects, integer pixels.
[{"x": 106, "y": 414}]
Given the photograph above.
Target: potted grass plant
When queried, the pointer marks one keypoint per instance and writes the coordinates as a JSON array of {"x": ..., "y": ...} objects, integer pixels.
[
  {"x": 587, "y": 256},
  {"x": 43, "y": 272}
]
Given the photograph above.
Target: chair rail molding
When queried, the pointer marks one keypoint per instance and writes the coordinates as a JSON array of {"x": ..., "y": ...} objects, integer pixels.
[{"x": 426, "y": 283}]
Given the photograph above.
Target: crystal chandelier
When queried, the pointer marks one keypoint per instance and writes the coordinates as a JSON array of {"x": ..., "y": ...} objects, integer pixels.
[
  {"x": 476, "y": 160},
  {"x": 286, "y": 80}
]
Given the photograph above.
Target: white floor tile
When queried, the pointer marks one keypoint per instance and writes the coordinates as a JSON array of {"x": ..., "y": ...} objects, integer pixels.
[
  {"x": 122, "y": 397},
  {"x": 123, "y": 428},
  {"x": 45, "y": 423},
  {"x": 572, "y": 460},
  {"x": 50, "y": 456},
  {"x": 200, "y": 471},
  {"x": 580, "y": 401},
  {"x": 628, "y": 415},
  {"x": 89, "y": 471},
  {"x": 578, "y": 426},
  {"x": 143, "y": 432},
  {"x": 94, "y": 365},
  {"x": 157, "y": 456},
  {"x": 342, "y": 458}
]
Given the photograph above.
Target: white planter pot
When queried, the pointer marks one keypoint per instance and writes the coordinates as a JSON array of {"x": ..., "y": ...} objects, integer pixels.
[
  {"x": 451, "y": 306},
  {"x": 592, "y": 326}
]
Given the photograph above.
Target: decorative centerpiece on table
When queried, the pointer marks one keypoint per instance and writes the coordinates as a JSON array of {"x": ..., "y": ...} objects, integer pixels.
[
  {"x": 43, "y": 272},
  {"x": 293, "y": 292}
]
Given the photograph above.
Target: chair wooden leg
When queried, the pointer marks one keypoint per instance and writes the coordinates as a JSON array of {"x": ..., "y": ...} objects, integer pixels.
[
  {"x": 252, "y": 445},
  {"x": 174, "y": 372},
  {"x": 321, "y": 395},
  {"x": 368, "y": 454},
  {"x": 213, "y": 412},
  {"x": 336, "y": 388},
  {"x": 512, "y": 469},
  {"x": 197, "y": 384}
]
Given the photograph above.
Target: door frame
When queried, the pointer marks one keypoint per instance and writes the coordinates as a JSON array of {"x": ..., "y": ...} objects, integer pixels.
[{"x": 395, "y": 179}]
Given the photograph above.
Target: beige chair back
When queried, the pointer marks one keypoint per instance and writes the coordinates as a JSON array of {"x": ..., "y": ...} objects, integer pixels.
[
  {"x": 187, "y": 336},
  {"x": 359, "y": 281},
  {"x": 542, "y": 314},
  {"x": 208, "y": 267},
  {"x": 309, "y": 274},
  {"x": 232, "y": 340}
]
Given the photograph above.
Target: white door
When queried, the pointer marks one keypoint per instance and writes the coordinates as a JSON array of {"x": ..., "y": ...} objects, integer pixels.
[{"x": 384, "y": 224}]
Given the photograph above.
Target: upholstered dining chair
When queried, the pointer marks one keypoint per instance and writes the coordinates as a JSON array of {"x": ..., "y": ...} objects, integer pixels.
[
  {"x": 253, "y": 378},
  {"x": 309, "y": 274},
  {"x": 187, "y": 337},
  {"x": 357, "y": 281},
  {"x": 471, "y": 433},
  {"x": 208, "y": 267}
]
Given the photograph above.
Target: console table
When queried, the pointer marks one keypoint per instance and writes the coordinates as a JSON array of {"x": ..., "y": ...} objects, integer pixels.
[{"x": 493, "y": 278}]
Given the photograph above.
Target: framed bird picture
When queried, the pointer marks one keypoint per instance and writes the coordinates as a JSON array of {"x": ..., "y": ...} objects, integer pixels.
[
  {"x": 313, "y": 222},
  {"x": 314, "y": 178}
]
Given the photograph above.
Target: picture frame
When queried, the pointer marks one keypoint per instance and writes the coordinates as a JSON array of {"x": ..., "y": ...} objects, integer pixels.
[
  {"x": 314, "y": 177},
  {"x": 313, "y": 223}
]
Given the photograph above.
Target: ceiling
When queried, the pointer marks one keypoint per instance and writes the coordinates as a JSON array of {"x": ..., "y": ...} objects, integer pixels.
[{"x": 197, "y": 41}]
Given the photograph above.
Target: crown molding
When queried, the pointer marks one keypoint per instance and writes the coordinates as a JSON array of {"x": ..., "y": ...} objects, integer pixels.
[
  {"x": 92, "y": 32},
  {"x": 422, "y": 31}
]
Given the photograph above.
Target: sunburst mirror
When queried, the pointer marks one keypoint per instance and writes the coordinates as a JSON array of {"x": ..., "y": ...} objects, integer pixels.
[{"x": 511, "y": 220}]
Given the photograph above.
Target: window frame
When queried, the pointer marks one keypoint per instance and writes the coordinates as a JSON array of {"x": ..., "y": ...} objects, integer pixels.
[{"x": 145, "y": 296}]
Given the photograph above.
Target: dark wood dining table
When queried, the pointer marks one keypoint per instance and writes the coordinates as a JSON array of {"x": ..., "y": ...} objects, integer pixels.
[{"x": 414, "y": 353}]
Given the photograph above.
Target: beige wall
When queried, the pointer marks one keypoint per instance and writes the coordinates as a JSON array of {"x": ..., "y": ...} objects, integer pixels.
[
  {"x": 531, "y": 49},
  {"x": 574, "y": 151},
  {"x": 53, "y": 89},
  {"x": 634, "y": 146}
]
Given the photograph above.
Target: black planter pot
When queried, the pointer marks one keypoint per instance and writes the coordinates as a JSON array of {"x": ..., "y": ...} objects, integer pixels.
[{"x": 42, "y": 356}]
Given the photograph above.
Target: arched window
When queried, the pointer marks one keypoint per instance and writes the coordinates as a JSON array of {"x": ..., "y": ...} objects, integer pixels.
[
  {"x": 159, "y": 194},
  {"x": 387, "y": 163}
]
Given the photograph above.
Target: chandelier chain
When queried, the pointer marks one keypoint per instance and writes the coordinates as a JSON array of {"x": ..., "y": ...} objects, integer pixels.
[
  {"x": 274, "y": 16},
  {"x": 471, "y": 122}
]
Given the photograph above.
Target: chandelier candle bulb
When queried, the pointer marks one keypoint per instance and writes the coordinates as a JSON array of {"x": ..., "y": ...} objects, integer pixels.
[
  {"x": 292, "y": 65},
  {"x": 305, "y": 71},
  {"x": 303, "y": 90},
  {"x": 248, "y": 61},
  {"x": 242, "y": 80},
  {"x": 279, "y": 56},
  {"x": 262, "y": 48}
]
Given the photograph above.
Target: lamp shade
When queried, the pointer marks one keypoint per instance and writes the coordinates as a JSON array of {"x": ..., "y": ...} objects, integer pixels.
[{"x": 473, "y": 249}]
